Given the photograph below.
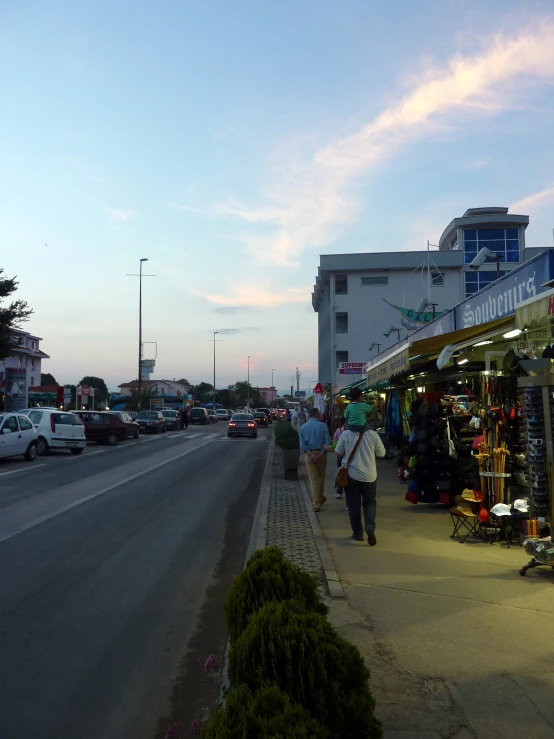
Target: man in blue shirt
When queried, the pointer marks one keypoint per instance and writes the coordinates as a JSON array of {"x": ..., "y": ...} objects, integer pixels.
[{"x": 314, "y": 437}]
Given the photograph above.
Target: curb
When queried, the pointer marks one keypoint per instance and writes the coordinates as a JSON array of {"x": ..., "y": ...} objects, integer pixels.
[{"x": 333, "y": 580}]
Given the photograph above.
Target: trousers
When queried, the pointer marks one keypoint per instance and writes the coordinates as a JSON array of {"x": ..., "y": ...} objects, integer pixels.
[
  {"x": 316, "y": 475},
  {"x": 361, "y": 495}
]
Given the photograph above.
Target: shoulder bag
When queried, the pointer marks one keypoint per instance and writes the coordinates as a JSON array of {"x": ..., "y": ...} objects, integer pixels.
[{"x": 341, "y": 478}]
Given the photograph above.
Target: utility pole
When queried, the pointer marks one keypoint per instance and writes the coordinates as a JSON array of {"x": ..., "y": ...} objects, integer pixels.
[
  {"x": 292, "y": 387},
  {"x": 248, "y": 386},
  {"x": 272, "y": 386},
  {"x": 297, "y": 379},
  {"x": 139, "y": 379},
  {"x": 214, "y": 340}
]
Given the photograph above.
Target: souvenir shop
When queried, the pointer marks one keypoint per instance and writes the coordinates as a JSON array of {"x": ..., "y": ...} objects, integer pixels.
[{"x": 470, "y": 413}]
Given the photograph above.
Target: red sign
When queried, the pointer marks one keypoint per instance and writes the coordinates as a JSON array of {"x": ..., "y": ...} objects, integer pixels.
[
  {"x": 318, "y": 388},
  {"x": 59, "y": 393},
  {"x": 85, "y": 390}
]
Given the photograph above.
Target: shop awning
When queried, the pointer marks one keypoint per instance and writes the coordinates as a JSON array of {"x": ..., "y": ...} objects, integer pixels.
[
  {"x": 358, "y": 383},
  {"x": 536, "y": 311},
  {"x": 435, "y": 344}
]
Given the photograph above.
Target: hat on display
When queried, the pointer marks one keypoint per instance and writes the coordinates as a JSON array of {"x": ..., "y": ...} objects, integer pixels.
[
  {"x": 521, "y": 505},
  {"x": 471, "y": 496},
  {"x": 501, "y": 509}
]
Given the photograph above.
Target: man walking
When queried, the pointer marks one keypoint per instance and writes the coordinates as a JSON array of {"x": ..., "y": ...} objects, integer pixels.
[
  {"x": 359, "y": 451},
  {"x": 294, "y": 419},
  {"x": 314, "y": 438}
]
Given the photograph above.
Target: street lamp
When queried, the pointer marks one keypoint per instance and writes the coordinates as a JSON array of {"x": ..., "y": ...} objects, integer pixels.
[
  {"x": 272, "y": 387},
  {"x": 214, "y": 340}
]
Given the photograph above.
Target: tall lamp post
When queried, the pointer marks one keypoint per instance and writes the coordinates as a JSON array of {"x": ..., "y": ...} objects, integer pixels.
[
  {"x": 272, "y": 387},
  {"x": 139, "y": 380},
  {"x": 214, "y": 340},
  {"x": 248, "y": 387}
]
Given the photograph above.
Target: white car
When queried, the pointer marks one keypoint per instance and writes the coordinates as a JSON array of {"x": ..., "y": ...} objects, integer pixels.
[
  {"x": 17, "y": 436},
  {"x": 58, "y": 430},
  {"x": 222, "y": 415}
]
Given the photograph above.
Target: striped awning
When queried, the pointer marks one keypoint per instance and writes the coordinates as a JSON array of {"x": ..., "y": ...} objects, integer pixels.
[{"x": 536, "y": 311}]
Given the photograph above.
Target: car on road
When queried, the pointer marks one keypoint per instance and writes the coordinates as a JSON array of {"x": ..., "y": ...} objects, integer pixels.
[
  {"x": 17, "y": 436},
  {"x": 242, "y": 424},
  {"x": 261, "y": 419},
  {"x": 222, "y": 414},
  {"x": 267, "y": 413},
  {"x": 151, "y": 421},
  {"x": 212, "y": 416},
  {"x": 198, "y": 415},
  {"x": 102, "y": 427},
  {"x": 172, "y": 418},
  {"x": 58, "y": 430},
  {"x": 132, "y": 427}
]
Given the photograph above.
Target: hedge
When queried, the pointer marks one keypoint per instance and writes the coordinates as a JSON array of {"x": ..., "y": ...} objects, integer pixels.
[
  {"x": 267, "y": 713},
  {"x": 268, "y": 577},
  {"x": 302, "y": 653},
  {"x": 286, "y": 436}
]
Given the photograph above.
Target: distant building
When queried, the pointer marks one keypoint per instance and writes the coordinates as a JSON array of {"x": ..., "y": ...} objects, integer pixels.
[
  {"x": 159, "y": 387},
  {"x": 353, "y": 293},
  {"x": 269, "y": 394},
  {"x": 26, "y": 353}
]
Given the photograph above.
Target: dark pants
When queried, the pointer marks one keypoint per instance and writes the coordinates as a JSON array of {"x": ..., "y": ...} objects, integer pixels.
[{"x": 360, "y": 494}]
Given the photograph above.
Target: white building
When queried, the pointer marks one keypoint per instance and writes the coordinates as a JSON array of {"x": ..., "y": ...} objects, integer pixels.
[
  {"x": 351, "y": 290},
  {"x": 159, "y": 387},
  {"x": 26, "y": 353}
]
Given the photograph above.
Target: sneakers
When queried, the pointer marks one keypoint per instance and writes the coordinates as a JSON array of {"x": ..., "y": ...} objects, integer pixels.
[
  {"x": 338, "y": 494},
  {"x": 371, "y": 540}
]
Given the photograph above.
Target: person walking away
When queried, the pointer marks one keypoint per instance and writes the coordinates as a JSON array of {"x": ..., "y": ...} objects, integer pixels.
[
  {"x": 186, "y": 416},
  {"x": 288, "y": 415},
  {"x": 315, "y": 441},
  {"x": 356, "y": 411},
  {"x": 294, "y": 419},
  {"x": 301, "y": 417},
  {"x": 336, "y": 436},
  {"x": 359, "y": 451},
  {"x": 182, "y": 418}
]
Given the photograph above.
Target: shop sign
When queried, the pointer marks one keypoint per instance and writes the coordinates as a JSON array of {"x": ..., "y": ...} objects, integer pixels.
[
  {"x": 503, "y": 297},
  {"x": 351, "y": 368},
  {"x": 389, "y": 368},
  {"x": 16, "y": 389},
  {"x": 414, "y": 316}
]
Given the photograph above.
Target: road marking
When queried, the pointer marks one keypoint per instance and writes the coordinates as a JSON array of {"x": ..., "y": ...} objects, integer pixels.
[
  {"x": 98, "y": 493},
  {"x": 241, "y": 438},
  {"x": 23, "y": 469},
  {"x": 172, "y": 436},
  {"x": 90, "y": 454}
]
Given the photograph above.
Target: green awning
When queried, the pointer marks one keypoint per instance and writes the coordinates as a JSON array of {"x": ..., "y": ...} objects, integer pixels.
[{"x": 358, "y": 383}]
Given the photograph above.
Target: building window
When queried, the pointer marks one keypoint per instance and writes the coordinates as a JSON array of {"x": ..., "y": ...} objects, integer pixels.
[
  {"x": 437, "y": 278},
  {"x": 501, "y": 241},
  {"x": 341, "y": 357},
  {"x": 376, "y": 280},
  {"x": 32, "y": 381},
  {"x": 341, "y": 284},
  {"x": 32, "y": 364},
  {"x": 475, "y": 281},
  {"x": 341, "y": 324}
]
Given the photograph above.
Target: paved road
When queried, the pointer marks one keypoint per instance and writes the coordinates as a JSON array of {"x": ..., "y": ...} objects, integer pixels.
[{"x": 106, "y": 560}]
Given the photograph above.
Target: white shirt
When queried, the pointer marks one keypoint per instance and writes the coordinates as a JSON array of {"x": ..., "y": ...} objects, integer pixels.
[
  {"x": 363, "y": 465},
  {"x": 294, "y": 414}
]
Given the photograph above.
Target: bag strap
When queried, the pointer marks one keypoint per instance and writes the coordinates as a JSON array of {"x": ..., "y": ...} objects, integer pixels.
[{"x": 353, "y": 452}]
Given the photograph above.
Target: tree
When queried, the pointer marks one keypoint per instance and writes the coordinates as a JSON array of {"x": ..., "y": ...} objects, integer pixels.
[
  {"x": 47, "y": 379},
  {"x": 183, "y": 381},
  {"x": 203, "y": 392},
  {"x": 146, "y": 395},
  {"x": 241, "y": 392},
  {"x": 101, "y": 390},
  {"x": 10, "y": 317}
]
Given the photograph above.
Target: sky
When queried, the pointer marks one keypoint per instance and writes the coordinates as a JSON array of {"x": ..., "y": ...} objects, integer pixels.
[{"x": 231, "y": 144}]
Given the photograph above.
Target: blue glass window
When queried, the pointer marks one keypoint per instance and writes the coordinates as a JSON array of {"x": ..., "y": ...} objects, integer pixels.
[
  {"x": 475, "y": 281},
  {"x": 501, "y": 241}
]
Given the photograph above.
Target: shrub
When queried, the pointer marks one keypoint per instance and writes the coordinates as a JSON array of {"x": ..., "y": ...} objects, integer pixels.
[
  {"x": 285, "y": 436},
  {"x": 302, "y": 653},
  {"x": 267, "y": 713},
  {"x": 268, "y": 577}
]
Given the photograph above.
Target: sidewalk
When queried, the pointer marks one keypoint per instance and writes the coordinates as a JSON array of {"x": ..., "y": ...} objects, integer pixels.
[{"x": 458, "y": 644}]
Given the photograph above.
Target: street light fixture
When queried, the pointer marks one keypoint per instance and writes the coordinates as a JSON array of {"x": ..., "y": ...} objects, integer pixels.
[
  {"x": 214, "y": 340},
  {"x": 272, "y": 387},
  {"x": 139, "y": 380}
]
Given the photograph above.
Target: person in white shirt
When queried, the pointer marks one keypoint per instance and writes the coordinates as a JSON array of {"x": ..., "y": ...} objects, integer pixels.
[
  {"x": 294, "y": 418},
  {"x": 362, "y": 480}
]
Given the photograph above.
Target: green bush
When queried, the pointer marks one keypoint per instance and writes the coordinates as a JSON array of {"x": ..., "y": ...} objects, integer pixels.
[
  {"x": 285, "y": 436},
  {"x": 268, "y": 577},
  {"x": 302, "y": 653},
  {"x": 267, "y": 713}
]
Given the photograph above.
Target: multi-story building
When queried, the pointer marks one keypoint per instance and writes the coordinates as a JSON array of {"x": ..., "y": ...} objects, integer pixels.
[
  {"x": 355, "y": 294},
  {"x": 158, "y": 387},
  {"x": 26, "y": 353}
]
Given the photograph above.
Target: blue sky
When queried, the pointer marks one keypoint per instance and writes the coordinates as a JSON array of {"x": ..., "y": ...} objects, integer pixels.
[{"x": 232, "y": 143}]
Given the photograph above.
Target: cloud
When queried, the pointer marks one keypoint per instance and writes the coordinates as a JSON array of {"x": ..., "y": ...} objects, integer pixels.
[
  {"x": 234, "y": 331},
  {"x": 534, "y": 202},
  {"x": 478, "y": 163},
  {"x": 118, "y": 215},
  {"x": 231, "y": 310},
  {"x": 312, "y": 197},
  {"x": 245, "y": 296}
]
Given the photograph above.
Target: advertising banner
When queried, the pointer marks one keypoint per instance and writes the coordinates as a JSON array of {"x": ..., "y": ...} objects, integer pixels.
[
  {"x": 415, "y": 317},
  {"x": 351, "y": 368},
  {"x": 16, "y": 389},
  {"x": 387, "y": 369}
]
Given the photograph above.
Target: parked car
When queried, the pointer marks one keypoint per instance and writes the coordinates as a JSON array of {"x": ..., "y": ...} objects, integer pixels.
[
  {"x": 17, "y": 436},
  {"x": 172, "y": 419},
  {"x": 261, "y": 419},
  {"x": 242, "y": 424},
  {"x": 198, "y": 415},
  {"x": 212, "y": 416},
  {"x": 102, "y": 427},
  {"x": 58, "y": 430},
  {"x": 222, "y": 414},
  {"x": 151, "y": 421},
  {"x": 267, "y": 413},
  {"x": 133, "y": 429}
]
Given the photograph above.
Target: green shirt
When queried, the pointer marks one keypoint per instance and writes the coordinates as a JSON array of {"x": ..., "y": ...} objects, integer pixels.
[{"x": 355, "y": 413}]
